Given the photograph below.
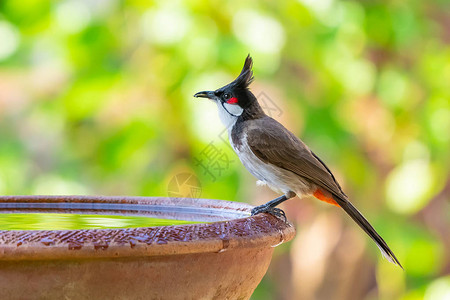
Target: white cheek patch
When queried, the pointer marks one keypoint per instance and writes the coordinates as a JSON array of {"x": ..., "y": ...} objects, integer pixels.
[
  {"x": 233, "y": 109},
  {"x": 228, "y": 117}
]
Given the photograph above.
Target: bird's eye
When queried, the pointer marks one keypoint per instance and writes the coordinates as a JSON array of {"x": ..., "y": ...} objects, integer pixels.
[{"x": 226, "y": 96}]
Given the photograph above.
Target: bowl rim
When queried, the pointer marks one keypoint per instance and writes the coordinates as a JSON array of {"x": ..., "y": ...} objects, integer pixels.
[{"x": 238, "y": 229}]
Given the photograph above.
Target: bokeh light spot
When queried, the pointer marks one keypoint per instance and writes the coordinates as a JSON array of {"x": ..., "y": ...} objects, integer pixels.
[
  {"x": 9, "y": 40},
  {"x": 409, "y": 186},
  {"x": 165, "y": 26},
  {"x": 392, "y": 87},
  {"x": 440, "y": 124},
  {"x": 72, "y": 16},
  {"x": 260, "y": 33},
  {"x": 438, "y": 289}
]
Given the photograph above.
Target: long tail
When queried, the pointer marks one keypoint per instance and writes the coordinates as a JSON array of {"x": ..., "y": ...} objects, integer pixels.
[{"x": 365, "y": 225}]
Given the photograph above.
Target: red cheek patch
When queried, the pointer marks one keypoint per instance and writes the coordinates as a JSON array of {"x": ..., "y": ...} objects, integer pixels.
[{"x": 232, "y": 100}]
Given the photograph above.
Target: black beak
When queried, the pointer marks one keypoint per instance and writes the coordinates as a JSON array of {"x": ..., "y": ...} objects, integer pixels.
[{"x": 205, "y": 94}]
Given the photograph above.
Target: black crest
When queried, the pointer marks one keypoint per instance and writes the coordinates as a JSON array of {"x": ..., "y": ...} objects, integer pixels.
[{"x": 246, "y": 77}]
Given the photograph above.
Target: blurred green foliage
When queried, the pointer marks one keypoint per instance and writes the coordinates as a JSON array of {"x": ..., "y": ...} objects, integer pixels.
[{"x": 96, "y": 98}]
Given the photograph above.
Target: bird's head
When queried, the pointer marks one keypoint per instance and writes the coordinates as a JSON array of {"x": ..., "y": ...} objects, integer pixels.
[{"x": 235, "y": 98}]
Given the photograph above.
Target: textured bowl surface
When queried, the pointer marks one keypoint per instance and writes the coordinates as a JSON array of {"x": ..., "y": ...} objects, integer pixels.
[{"x": 224, "y": 258}]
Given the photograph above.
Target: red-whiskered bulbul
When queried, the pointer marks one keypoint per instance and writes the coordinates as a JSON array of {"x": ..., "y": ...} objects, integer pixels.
[{"x": 277, "y": 157}]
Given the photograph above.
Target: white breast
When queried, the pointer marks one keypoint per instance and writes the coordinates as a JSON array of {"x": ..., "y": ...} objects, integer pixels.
[{"x": 279, "y": 180}]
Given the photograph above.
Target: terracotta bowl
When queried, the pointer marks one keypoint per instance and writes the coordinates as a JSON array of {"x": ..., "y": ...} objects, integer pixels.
[{"x": 224, "y": 258}]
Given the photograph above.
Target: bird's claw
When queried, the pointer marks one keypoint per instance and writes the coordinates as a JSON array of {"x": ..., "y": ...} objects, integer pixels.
[{"x": 270, "y": 210}]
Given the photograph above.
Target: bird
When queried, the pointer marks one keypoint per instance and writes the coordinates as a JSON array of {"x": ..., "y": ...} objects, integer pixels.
[{"x": 278, "y": 158}]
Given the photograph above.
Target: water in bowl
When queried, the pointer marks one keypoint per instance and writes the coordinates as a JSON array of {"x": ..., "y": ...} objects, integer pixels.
[{"x": 60, "y": 221}]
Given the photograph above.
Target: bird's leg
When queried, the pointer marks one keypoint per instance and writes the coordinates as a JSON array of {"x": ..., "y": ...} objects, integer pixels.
[{"x": 270, "y": 208}]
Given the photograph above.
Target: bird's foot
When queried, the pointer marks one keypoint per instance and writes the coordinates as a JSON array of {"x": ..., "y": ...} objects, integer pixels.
[{"x": 270, "y": 210}]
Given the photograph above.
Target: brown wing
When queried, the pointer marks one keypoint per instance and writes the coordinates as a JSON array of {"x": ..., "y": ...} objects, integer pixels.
[{"x": 274, "y": 144}]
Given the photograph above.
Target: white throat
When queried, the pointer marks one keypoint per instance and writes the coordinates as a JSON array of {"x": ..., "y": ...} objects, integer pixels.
[{"x": 229, "y": 113}]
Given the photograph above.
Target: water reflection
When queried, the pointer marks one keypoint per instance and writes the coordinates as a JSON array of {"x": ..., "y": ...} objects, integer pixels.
[{"x": 61, "y": 221}]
